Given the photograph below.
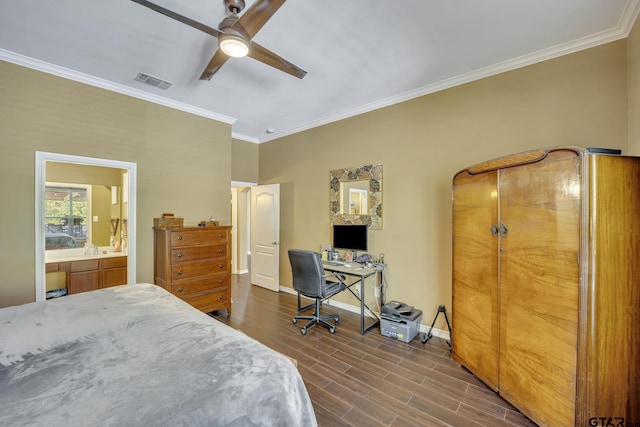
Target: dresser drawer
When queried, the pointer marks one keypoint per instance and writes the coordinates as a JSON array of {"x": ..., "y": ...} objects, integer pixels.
[
  {"x": 185, "y": 288},
  {"x": 197, "y": 237},
  {"x": 209, "y": 301},
  {"x": 197, "y": 269},
  {"x": 195, "y": 253}
]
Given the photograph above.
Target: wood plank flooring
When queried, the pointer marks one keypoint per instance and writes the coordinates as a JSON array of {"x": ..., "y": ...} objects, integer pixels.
[{"x": 368, "y": 380}]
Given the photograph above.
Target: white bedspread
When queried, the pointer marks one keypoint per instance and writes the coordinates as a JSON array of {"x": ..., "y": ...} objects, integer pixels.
[{"x": 135, "y": 355}]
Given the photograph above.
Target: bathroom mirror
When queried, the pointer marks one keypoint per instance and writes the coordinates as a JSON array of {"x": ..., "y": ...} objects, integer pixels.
[
  {"x": 355, "y": 196},
  {"x": 82, "y": 204}
]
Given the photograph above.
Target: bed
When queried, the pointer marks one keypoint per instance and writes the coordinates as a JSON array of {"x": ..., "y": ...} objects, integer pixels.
[{"x": 137, "y": 355}]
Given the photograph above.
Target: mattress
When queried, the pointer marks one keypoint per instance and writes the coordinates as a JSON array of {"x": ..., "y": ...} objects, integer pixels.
[{"x": 137, "y": 355}]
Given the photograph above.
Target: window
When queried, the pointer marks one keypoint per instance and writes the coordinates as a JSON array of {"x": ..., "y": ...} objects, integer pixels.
[{"x": 66, "y": 212}]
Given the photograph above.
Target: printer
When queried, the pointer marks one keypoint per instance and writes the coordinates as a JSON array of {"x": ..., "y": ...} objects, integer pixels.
[{"x": 399, "y": 320}]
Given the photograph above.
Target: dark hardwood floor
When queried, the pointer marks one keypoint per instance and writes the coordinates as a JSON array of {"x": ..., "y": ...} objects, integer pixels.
[{"x": 368, "y": 380}]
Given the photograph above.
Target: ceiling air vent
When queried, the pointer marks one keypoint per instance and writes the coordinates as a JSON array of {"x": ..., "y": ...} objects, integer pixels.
[{"x": 153, "y": 81}]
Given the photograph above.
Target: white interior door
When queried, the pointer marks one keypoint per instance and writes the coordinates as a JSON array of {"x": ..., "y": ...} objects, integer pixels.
[{"x": 265, "y": 236}]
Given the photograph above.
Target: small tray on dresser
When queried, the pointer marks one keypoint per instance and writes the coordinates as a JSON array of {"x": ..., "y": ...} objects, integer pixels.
[{"x": 169, "y": 222}]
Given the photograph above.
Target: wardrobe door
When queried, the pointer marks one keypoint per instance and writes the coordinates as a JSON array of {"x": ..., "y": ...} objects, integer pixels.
[
  {"x": 540, "y": 206},
  {"x": 475, "y": 275}
]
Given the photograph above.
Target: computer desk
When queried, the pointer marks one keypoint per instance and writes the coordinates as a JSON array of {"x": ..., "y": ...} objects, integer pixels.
[{"x": 362, "y": 272}]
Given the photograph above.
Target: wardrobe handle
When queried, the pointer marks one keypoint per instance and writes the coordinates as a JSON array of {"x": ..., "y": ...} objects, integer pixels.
[{"x": 499, "y": 229}]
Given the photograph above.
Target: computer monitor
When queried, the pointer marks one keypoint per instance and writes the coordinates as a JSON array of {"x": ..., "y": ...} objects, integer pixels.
[{"x": 351, "y": 236}]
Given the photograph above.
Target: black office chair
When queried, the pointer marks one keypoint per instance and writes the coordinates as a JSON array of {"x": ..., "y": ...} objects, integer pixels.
[{"x": 309, "y": 280}]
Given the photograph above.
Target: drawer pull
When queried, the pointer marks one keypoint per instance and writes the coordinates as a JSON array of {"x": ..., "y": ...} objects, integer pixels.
[
  {"x": 179, "y": 255},
  {"x": 179, "y": 289},
  {"x": 220, "y": 251},
  {"x": 179, "y": 237},
  {"x": 220, "y": 266},
  {"x": 179, "y": 272},
  {"x": 221, "y": 297},
  {"x": 221, "y": 281},
  {"x": 221, "y": 235}
]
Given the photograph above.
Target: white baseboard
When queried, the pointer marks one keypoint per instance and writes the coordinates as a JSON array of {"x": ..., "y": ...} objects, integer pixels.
[{"x": 356, "y": 309}]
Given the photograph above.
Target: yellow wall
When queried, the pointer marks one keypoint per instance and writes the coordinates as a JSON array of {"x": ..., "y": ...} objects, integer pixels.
[
  {"x": 633, "y": 52},
  {"x": 579, "y": 99},
  {"x": 183, "y": 161},
  {"x": 244, "y": 158}
]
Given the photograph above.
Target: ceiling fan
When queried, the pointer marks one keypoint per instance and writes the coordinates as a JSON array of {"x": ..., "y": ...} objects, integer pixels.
[{"x": 234, "y": 34}]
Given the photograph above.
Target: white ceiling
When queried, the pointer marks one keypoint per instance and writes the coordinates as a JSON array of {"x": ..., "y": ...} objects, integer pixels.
[{"x": 359, "y": 54}]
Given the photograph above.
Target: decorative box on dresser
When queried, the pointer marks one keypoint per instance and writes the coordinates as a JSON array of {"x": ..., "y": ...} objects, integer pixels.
[
  {"x": 546, "y": 283},
  {"x": 194, "y": 263}
]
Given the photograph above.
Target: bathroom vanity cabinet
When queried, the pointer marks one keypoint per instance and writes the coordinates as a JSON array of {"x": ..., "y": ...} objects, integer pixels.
[{"x": 88, "y": 274}]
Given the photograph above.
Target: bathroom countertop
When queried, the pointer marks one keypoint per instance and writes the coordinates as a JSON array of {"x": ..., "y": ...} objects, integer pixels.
[{"x": 81, "y": 256}]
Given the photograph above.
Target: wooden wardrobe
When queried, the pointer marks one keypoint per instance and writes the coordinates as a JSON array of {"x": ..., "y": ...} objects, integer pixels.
[{"x": 546, "y": 282}]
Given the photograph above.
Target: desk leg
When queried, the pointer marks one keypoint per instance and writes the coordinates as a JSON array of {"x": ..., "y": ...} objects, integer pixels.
[
  {"x": 376, "y": 321},
  {"x": 362, "y": 331}
]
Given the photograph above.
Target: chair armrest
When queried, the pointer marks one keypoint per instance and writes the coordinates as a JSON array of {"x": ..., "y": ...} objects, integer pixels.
[{"x": 341, "y": 277}]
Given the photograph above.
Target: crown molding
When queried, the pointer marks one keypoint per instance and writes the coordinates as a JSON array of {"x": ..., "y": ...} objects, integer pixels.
[
  {"x": 622, "y": 30},
  {"x": 69, "y": 74},
  {"x": 246, "y": 138}
]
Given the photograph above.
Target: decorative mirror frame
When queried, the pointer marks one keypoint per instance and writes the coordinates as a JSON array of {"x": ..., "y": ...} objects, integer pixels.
[{"x": 373, "y": 173}]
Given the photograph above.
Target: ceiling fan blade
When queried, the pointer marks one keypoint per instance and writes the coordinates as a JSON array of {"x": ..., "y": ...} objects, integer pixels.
[
  {"x": 198, "y": 26},
  {"x": 265, "y": 56},
  {"x": 254, "y": 18},
  {"x": 219, "y": 58}
]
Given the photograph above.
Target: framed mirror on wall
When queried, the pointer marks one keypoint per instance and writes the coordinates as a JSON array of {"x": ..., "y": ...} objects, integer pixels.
[{"x": 355, "y": 196}]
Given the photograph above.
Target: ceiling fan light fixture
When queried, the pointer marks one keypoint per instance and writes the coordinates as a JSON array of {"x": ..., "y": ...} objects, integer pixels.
[{"x": 234, "y": 45}]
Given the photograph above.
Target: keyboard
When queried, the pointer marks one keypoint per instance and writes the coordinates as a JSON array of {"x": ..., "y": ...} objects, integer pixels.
[{"x": 339, "y": 264}]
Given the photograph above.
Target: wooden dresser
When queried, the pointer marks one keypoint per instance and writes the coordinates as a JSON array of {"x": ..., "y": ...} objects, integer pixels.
[
  {"x": 194, "y": 263},
  {"x": 546, "y": 295}
]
